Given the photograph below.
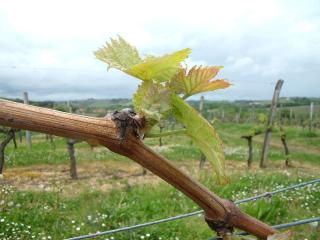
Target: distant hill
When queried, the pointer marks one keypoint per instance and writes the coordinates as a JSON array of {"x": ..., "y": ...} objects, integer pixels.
[{"x": 100, "y": 107}]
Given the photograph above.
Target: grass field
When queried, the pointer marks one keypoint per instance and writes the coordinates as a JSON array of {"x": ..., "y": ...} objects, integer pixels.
[{"x": 38, "y": 199}]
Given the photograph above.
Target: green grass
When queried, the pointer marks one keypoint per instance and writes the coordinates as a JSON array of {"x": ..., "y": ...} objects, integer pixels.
[
  {"x": 179, "y": 148},
  {"x": 55, "y": 215},
  {"x": 43, "y": 152},
  {"x": 52, "y": 214}
]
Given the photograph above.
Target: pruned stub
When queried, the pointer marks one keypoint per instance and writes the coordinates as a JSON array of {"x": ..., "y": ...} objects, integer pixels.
[
  {"x": 125, "y": 120},
  {"x": 221, "y": 227},
  {"x": 224, "y": 227}
]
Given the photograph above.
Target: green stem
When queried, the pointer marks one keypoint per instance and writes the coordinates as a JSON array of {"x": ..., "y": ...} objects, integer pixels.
[{"x": 165, "y": 134}]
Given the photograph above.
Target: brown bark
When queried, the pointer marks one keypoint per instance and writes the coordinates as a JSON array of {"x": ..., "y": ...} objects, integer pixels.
[
  {"x": 9, "y": 136},
  {"x": 14, "y": 140},
  {"x": 250, "y": 150},
  {"x": 104, "y": 131},
  {"x": 286, "y": 149},
  {"x": 250, "y": 146},
  {"x": 73, "y": 162},
  {"x": 272, "y": 114},
  {"x": 160, "y": 138}
]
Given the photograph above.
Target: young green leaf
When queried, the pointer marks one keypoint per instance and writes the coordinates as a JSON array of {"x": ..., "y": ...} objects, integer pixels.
[
  {"x": 118, "y": 54},
  {"x": 152, "y": 100},
  {"x": 197, "y": 80},
  {"x": 203, "y": 134},
  {"x": 163, "y": 78},
  {"x": 159, "y": 69}
]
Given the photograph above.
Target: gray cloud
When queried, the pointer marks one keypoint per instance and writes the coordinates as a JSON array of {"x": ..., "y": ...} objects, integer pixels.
[{"x": 257, "y": 43}]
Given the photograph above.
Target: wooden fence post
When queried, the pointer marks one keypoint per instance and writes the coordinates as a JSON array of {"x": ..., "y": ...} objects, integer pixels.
[
  {"x": 311, "y": 116},
  {"x": 161, "y": 127},
  {"x": 28, "y": 133},
  {"x": 10, "y": 135},
  {"x": 283, "y": 137},
  {"x": 281, "y": 120},
  {"x": 73, "y": 161},
  {"x": 71, "y": 152},
  {"x": 272, "y": 113},
  {"x": 290, "y": 116},
  {"x": 250, "y": 150},
  {"x": 222, "y": 115}
]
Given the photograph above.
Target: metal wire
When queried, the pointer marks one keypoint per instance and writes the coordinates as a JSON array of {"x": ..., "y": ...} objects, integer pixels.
[
  {"x": 136, "y": 226},
  {"x": 280, "y": 226},
  {"x": 263, "y": 195},
  {"x": 296, "y": 223},
  {"x": 268, "y": 194}
]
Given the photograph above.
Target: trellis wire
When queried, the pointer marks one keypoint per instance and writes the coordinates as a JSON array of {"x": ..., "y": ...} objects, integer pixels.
[
  {"x": 268, "y": 194},
  {"x": 263, "y": 195},
  {"x": 137, "y": 226},
  {"x": 281, "y": 226}
]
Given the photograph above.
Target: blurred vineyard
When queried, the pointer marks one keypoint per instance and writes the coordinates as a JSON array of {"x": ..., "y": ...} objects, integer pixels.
[{"x": 39, "y": 200}]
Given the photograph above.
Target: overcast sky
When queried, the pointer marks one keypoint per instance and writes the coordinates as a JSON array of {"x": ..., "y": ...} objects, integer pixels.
[{"x": 46, "y": 47}]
